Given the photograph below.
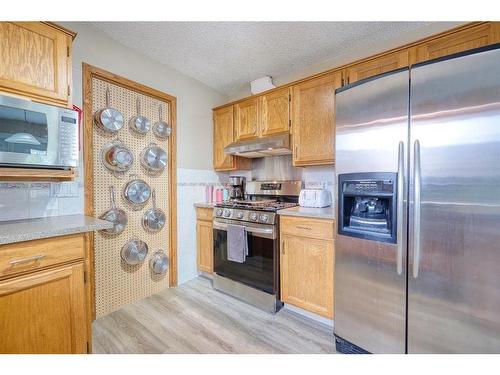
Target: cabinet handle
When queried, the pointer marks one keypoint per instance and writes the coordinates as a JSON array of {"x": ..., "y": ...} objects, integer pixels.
[
  {"x": 306, "y": 228},
  {"x": 283, "y": 247},
  {"x": 26, "y": 260},
  {"x": 296, "y": 150}
]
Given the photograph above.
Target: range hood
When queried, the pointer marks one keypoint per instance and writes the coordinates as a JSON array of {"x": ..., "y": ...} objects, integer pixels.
[{"x": 260, "y": 147}]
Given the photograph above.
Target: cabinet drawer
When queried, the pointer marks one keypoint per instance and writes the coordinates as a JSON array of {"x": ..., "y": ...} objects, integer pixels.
[
  {"x": 204, "y": 213},
  {"x": 32, "y": 255},
  {"x": 307, "y": 227}
]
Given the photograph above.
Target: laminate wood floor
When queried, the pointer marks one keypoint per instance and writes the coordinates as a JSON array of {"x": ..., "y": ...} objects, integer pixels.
[{"x": 194, "y": 318}]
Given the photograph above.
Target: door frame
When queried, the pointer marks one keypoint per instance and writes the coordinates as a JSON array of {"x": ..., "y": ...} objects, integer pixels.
[{"x": 90, "y": 72}]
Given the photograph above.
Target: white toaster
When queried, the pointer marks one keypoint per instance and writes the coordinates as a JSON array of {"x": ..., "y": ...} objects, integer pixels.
[{"x": 315, "y": 198}]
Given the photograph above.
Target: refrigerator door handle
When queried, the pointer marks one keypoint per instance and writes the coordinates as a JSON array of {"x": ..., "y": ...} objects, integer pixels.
[
  {"x": 400, "y": 208},
  {"x": 416, "y": 208}
]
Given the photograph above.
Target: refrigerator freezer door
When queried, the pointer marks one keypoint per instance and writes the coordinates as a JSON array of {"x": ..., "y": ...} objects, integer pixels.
[
  {"x": 454, "y": 265},
  {"x": 370, "y": 275}
]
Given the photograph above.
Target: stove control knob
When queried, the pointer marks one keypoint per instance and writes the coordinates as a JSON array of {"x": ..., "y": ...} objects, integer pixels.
[
  {"x": 227, "y": 213},
  {"x": 219, "y": 212},
  {"x": 264, "y": 218},
  {"x": 239, "y": 215},
  {"x": 253, "y": 216}
]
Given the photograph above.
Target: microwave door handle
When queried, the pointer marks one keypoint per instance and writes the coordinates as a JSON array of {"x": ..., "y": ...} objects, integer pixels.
[
  {"x": 400, "y": 208},
  {"x": 416, "y": 208}
]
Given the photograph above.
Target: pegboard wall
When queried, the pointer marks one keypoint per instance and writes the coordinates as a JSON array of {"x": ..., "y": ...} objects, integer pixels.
[{"x": 117, "y": 283}]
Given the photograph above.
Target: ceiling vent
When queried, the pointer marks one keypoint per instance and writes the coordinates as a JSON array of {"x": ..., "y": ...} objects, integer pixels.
[{"x": 261, "y": 85}]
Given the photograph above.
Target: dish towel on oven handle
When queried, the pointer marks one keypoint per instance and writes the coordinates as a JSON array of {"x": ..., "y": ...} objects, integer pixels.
[{"x": 237, "y": 244}]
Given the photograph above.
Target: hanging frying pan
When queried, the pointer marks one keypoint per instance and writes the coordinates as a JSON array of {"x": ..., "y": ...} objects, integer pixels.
[
  {"x": 154, "y": 219},
  {"x": 116, "y": 215},
  {"x": 137, "y": 192},
  {"x": 159, "y": 262},
  {"x": 138, "y": 123},
  {"x": 154, "y": 158},
  {"x": 161, "y": 128},
  {"x": 108, "y": 119},
  {"x": 134, "y": 251}
]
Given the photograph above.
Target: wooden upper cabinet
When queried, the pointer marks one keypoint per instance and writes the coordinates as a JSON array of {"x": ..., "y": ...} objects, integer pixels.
[
  {"x": 223, "y": 135},
  {"x": 247, "y": 119},
  {"x": 36, "y": 61},
  {"x": 275, "y": 112},
  {"x": 459, "y": 41},
  {"x": 376, "y": 66},
  {"x": 313, "y": 120},
  {"x": 44, "y": 312}
]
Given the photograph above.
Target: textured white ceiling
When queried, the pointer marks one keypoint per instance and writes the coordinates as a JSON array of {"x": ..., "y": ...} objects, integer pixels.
[{"x": 228, "y": 55}]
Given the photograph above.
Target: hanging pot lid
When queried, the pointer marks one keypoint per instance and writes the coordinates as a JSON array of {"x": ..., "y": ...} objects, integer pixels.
[
  {"x": 137, "y": 192},
  {"x": 159, "y": 262},
  {"x": 154, "y": 158},
  {"x": 134, "y": 252}
]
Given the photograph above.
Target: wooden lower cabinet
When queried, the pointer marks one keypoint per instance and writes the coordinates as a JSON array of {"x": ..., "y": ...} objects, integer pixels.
[
  {"x": 44, "y": 296},
  {"x": 204, "y": 240},
  {"x": 44, "y": 312},
  {"x": 306, "y": 269}
]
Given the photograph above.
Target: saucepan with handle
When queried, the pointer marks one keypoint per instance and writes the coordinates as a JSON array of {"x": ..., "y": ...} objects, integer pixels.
[
  {"x": 154, "y": 219},
  {"x": 154, "y": 158},
  {"x": 116, "y": 157},
  {"x": 116, "y": 215},
  {"x": 108, "y": 119},
  {"x": 138, "y": 123},
  {"x": 161, "y": 128},
  {"x": 159, "y": 262}
]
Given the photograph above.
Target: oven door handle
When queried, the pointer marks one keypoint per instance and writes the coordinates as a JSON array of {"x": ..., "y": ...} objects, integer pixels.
[{"x": 249, "y": 229}]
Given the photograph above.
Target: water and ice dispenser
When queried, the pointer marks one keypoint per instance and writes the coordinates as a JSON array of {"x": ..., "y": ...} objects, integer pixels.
[{"x": 367, "y": 206}]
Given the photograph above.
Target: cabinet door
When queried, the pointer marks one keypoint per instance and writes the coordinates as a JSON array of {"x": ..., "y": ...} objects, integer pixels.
[
  {"x": 474, "y": 37},
  {"x": 275, "y": 112},
  {"x": 313, "y": 121},
  {"x": 44, "y": 312},
  {"x": 376, "y": 66},
  {"x": 223, "y": 135},
  {"x": 247, "y": 119},
  {"x": 307, "y": 274},
  {"x": 204, "y": 238},
  {"x": 34, "y": 61}
]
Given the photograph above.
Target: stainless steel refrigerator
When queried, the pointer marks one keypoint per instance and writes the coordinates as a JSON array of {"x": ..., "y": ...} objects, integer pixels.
[{"x": 417, "y": 267}]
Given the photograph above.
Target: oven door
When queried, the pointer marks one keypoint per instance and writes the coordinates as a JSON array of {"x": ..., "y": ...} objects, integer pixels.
[
  {"x": 260, "y": 269},
  {"x": 29, "y": 133}
]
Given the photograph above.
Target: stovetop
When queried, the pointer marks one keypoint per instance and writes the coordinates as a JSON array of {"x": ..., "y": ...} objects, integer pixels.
[
  {"x": 257, "y": 205},
  {"x": 260, "y": 212}
]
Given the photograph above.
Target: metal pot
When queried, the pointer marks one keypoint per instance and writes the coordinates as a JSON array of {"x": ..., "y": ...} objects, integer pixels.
[
  {"x": 116, "y": 157},
  {"x": 161, "y": 128},
  {"x": 109, "y": 119},
  {"x": 134, "y": 252},
  {"x": 154, "y": 219},
  {"x": 137, "y": 192},
  {"x": 138, "y": 123},
  {"x": 159, "y": 262},
  {"x": 117, "y": 216},
  {"x": 154, "y": 158}
]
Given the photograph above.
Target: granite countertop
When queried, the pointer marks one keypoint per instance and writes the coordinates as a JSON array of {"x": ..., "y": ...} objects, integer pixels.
[
  {"x": 320, "y": 213},
  {"x": 204, "y": 205},
  {"x": 33, "y": 229}
]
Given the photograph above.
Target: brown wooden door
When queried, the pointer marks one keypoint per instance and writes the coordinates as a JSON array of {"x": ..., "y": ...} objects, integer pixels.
[
  {"x": 34, "y": 61},
  {"x": 376, "y": 66},
  {"x": 307, "y": 274},
  {"x": 223, "y": 135},
  {"x": 460, "y": 41},
  {"x": 313, "y": 120},
  {"x": 204, "y": 238},
  {"x": 276, "y": 112},
  {"x": 44, "y": 312},
  {"x": 247, "y": 119}
]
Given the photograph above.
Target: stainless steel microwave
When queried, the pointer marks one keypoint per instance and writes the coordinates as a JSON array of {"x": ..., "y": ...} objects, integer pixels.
[{"x": 37, "y": 135}]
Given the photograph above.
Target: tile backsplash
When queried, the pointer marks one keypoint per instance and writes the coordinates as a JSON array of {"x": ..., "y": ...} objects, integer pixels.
[{"x": 27, "y": 200}]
